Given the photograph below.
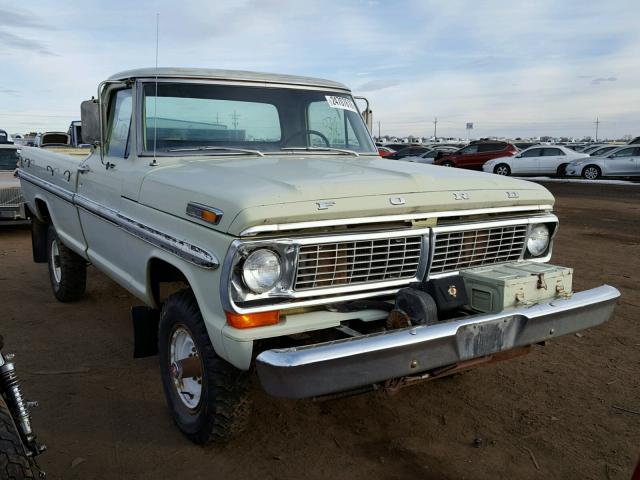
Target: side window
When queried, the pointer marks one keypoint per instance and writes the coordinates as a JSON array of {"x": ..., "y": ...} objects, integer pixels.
[
  {"x": 627, "y": 152},
  {"x": 334, "y": 124},
  {"x": 469, "y": 149},
  {"x": 636, "y": 152},
  {"x": 490, "y": 147},
  {"x": 552, "y": 152},
  {"x": 534, "y": 152},
  {"x": 118, "y": 122}
]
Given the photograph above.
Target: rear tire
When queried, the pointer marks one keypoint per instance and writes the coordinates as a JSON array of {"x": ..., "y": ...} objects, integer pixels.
[
  {"x": 215, "y": 406},
  {"x": 591, "y": 172},
  {"x": 562, "y": 170},
  {"x": 67, "y": 270},
  {"x": 502, "y": 169},
  {"x": 14, "y": 462}
]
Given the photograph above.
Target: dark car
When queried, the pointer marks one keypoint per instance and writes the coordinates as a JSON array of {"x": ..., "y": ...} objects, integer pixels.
[
  {"x": 474, "y": 155},
  {"x": 525, "y": 145},
  {"x": 396, "y": 146},
  {"x": 412, "y": 151},
  {"x": 4, "y": 137}
]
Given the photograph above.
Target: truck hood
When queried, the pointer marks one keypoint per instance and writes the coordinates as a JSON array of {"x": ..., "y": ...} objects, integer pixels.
[{"x": 275, "y": 189}]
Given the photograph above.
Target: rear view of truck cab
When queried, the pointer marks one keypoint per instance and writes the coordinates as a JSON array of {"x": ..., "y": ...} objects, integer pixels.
[{"x": 252, "y": 215}]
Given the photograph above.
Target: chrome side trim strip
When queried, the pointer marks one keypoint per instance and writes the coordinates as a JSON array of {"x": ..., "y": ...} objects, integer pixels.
[
  {"x": 60, "y": 192},
  {"x": 390, "y": 218},
  {"x": 191, "y": 253}
]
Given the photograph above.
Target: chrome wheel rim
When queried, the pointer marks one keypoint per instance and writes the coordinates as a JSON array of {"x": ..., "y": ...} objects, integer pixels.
[
  {"x": 188, "y": 389},
  {"x": 55, "y": 261},
  {"x": 591, "y": 173},
  {"x": 502, "y": 171}
]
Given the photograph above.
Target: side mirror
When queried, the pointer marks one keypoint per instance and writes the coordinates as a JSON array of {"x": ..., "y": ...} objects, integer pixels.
[{"x": 90, "y": 117}]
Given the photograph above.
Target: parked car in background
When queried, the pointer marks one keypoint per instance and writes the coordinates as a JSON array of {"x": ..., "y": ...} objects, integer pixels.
[
  {"x": 53, "y": 139},
  {"x": 427, "y": 157},
  {"x": 525, "y": 145},
  {"x": 397, "y": 146},
  {"x": 621, "y": 162},
  {"x": 409, "y": 152},
  {"x": 11, "y": 202},
  {"x": 5, "y": 137},
  {"x": 445, "y": 148},
  {"x": 591, "y": 148},
  {"x": 551, "y": 160},
  {"x": 602, "y": 151},
  {"x": 475, "y": 154},
  {"x": 385, "y": 151}
]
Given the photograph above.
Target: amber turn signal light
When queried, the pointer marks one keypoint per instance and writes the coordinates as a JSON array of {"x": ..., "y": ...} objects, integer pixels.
[
  {"x": 202, "y": 212},
  {"x": 251, "y": 320}
]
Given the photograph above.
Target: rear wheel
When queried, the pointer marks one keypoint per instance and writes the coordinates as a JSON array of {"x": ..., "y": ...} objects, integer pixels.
[
  {"x": 591, "y": 172},
  {"x": 207, "y": 396},
  {"x": 67, "y": 270},
  {"x": 562, "y": 170},
  {"x": 14, "y": 462},
  {"x": 502, "y": 169}
]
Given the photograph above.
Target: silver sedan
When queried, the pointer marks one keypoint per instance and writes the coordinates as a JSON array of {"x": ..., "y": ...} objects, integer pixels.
[{"x": 621, "y": 162}]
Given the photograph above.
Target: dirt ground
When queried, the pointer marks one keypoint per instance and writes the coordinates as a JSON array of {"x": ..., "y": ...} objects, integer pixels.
[{"x": 550, "y": 414}]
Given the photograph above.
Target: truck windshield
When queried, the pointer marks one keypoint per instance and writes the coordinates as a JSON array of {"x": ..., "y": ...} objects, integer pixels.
[{"x": 183, "y": 118}]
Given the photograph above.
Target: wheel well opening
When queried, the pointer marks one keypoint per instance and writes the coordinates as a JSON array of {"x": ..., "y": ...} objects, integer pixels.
[
  {"x": 42, "y": 210},
  {"x": 164, "y": 280}
]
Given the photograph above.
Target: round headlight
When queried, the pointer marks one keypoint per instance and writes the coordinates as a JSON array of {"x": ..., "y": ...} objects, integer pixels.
[
  {"x": 261, "y": 270},
  {"x": 538, "y": 240}
]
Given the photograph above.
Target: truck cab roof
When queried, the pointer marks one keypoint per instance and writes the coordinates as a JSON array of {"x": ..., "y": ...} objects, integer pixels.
[{"x": 228, "y": 75}]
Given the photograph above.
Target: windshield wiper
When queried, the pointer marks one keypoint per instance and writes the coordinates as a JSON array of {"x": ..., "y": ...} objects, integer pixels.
[
  {"x": 228, "y": 149},
  {"x": 324, "y": 149}
]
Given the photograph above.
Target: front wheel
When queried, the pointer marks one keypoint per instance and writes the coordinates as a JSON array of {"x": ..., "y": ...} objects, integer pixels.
[
  {"x": 67, "y": 270},
  {"x": 502, "y": 169},
  {"x": 14, "y": 462},
  {"x": 591, "y": 172},
  {"x": 208, "y": 397}
]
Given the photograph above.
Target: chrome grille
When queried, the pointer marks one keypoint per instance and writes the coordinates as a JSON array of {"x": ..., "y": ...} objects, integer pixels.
[
  {"x": 11, "y": 196},
  {"x": 474, "y": 248},
  {"x": 356, "y": 262}
]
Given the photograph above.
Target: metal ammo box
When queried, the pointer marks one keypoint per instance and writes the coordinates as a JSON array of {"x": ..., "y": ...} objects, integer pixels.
[{"x": 492, "y": 289}]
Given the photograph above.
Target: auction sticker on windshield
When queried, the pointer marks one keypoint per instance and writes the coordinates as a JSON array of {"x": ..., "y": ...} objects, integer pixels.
[{"x": 341, "y": 102}]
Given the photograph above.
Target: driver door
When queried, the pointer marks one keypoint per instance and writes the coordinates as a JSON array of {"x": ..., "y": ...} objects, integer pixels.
[
  {"x": 100, "y": 186},
  {"x": 621, "y": 163}
]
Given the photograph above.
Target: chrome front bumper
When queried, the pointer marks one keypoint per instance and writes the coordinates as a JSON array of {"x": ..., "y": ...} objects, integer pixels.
[{"x": 356, "y": 362}]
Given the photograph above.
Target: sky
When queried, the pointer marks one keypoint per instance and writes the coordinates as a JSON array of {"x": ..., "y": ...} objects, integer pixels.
[{"x": 513, "y": 68}]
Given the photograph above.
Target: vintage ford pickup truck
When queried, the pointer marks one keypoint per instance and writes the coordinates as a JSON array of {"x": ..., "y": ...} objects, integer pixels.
[{"x": 253, "y": 214}]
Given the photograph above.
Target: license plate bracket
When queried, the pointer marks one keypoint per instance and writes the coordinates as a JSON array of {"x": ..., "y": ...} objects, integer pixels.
[{"x": 481, "y": 339}]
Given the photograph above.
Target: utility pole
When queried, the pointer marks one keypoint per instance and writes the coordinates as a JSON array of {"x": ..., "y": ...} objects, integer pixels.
[
  {"x": 597, "y": 122},
  {"x": 379, "y": 137},
  {"x": 234, "y": 118},
  {"x": 435, "y": 128}
]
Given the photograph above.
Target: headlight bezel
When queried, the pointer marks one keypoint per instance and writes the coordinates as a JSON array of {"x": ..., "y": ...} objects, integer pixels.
[
  {"x": 252, "y": 282},
  {"x": 545, "y": 252}
]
